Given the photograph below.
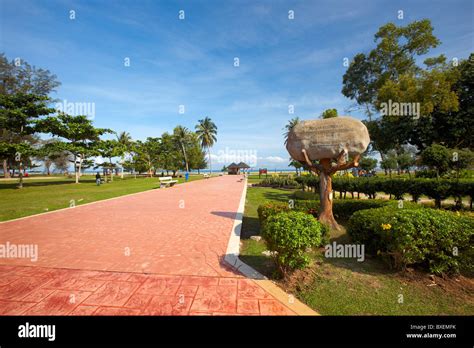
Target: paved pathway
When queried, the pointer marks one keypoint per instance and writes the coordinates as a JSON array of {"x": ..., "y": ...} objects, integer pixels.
[{"x": 158, "y": 252}]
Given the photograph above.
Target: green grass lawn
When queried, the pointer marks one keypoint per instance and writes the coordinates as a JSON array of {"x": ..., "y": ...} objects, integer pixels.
[
  {"x": 42, "y": 195},
  {"x": 348, "y": 287}
]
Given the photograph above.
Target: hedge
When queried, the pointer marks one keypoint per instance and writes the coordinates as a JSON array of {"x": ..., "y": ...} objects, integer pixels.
[
  {"x": 441, "y": 241},
  {"x": 281, "y": 182},
  {"x": 435, "y": 189},
  {"x": 289, "y": 235},
  {"x": 342, "y": 209}
]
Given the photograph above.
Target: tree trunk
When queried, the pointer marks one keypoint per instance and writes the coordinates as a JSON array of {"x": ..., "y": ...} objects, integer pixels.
[
  {"x": 20, "y": 173},
  {"x": 185, "y": 158},
  {"x": 111, "y": 171},
  {"x": 6, "y": 172},
  {"x": 325, "y": 195},
  {"x": 76, "y": 170},
  {"x": 210, "y": 164}
]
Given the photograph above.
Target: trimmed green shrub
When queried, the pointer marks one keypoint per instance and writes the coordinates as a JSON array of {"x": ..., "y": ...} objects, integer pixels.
[
  {"x": 265, "y": 210},
  {"x": 279, "y": 182},
  {"x": 426, "y": 173},
  {"x": 425, "y": 237},
  {"x": 290, "y": 234},
  {"x": 434, "y": 189}
]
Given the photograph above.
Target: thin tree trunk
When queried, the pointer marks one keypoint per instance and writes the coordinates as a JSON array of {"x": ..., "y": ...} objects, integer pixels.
[
  {"x": 185, "y": 158},
  {"x": 6, "y": 172},
  {"x": 210, "y": 164},
  {"x": 325, "y": 195},
  {"x": 20, "y": 173},
  {"x": 76, "y": 169},
  {"x": 111, "y": 171}
]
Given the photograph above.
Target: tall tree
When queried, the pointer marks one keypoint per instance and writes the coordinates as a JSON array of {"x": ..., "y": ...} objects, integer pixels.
[
  {"x": 18, "y": 116},
  {"x": 125, "y": 140},
  {"x": 20, "y": 78},
  {"x": 108, "y": 149},
  {"x": 297, "y": 166},
  {"x": 329, "y": 113},
  {"x": 148, "y": 155},
  {"x": 196, "y": 154},
  {"x": 80, "y": 134},
  {"x": 289, "y": 126},
  {"x": 389, "y": 73},
  {"x": 182, "y": 137},
  {"x": 394, "y": 56},
  {"x": 206, "y": 131},
  {"x": 452, "y": 128}
]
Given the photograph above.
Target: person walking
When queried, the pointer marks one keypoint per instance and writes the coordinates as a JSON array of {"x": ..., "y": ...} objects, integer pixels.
[{"x": 97, "y": 179}]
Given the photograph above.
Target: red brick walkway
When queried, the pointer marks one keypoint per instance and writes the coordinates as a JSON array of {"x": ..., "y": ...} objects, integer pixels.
[{"x": 159, "y": 252}]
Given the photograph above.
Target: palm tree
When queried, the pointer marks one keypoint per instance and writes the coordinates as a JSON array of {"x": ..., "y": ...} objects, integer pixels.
[
  {"x": 291, "y": 123},
  {"x": 181, "y": 136},
  {"x": 125, "y": 140},
  {"x": 206, "y": 131}
]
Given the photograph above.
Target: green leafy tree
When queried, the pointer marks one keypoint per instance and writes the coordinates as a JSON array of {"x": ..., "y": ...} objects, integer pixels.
[
  {"x": 367, "y": 163},
  {"x": 148, "y": 155},
  {"x": 18, "y": 116},
  {"x": 21, "y": 79},
  {"x": 108, "y": 149},
  {"x": 394, "y": 56},
  {"x": 289, "y": 126},
  {"x": 297, "y": 166},
  {"x": 405, "y": 161},
  {"x": 125, "y": 140},
  {"x": 182, "y": 138},
  {"x": 390, "y": 73},
  {"x": 170, "y": 154},
  {"x": 437, "y": 157},
  {"x": 206, "y": 131},
  {"x": 79, "y": 133},
  {"x": 25, "y": 79},
  {"x": 196, "y": 154},
  {"x": 329, "y": 113},
  {"x": 451, "y": 128},
  {"x": 389, "y": 163}
]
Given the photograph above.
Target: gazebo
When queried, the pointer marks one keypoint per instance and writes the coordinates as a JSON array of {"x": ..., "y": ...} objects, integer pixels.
[
  {"x": 243, "y": 166},
  {"x": 234, "y": 169}
]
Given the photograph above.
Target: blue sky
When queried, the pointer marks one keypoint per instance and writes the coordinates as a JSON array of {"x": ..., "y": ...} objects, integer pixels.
[{"x": 190, "y": 62}]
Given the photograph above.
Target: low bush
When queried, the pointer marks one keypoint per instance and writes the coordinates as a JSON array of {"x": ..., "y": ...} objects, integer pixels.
[
  {"x": 272, "y": 208},
  {"x": 279, "y": 182},
  {"x": 289, "y": 235},
  {"x": 438, "y": 240},
  {"x": 425, "y": 173}
]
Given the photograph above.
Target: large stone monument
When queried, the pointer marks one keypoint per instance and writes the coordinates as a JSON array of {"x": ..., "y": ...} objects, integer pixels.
[{"x": 336, "y": 144}]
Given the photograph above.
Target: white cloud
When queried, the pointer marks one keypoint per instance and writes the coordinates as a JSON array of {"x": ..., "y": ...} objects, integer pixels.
[{"x": 274, "y": 159}]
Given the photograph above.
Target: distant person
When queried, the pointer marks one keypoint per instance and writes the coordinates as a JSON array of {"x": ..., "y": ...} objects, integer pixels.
[
  {"x": 186, "y": 176},
  {"x": 97, "y": 179}
]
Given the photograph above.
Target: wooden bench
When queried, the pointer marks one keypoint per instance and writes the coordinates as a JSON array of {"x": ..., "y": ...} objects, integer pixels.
[{"x": 167, "y": 181}]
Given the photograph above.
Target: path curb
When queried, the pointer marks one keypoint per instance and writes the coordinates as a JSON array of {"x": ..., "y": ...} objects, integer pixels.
[{"x": 232, "y": 258}]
